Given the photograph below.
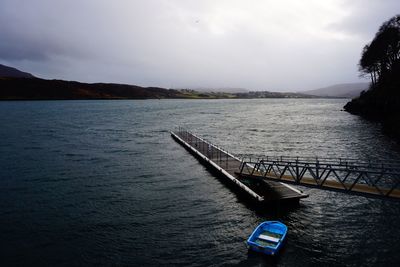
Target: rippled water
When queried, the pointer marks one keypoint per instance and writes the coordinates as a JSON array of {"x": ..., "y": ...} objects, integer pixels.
[{"x": 103, "y": 183}]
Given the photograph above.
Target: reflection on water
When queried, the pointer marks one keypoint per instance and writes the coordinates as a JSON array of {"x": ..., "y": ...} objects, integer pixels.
[{"x": 102, "y": 182}]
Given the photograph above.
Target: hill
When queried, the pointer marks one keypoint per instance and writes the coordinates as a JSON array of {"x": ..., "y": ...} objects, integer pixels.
[
  {"x": 36, "y": 89},
  {"x": 229, "y": 90},
  {"x": 41, "y": 89},
  {"x": 18, "y": 85},
  {"x": 345, "y": 90},
  {"x": 268, "y": 94},
  {"x": 6, "y": 71}
]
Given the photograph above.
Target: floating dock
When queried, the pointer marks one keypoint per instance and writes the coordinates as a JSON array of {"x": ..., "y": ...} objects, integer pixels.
[
  {"x": 229, "y": 166},
  {"x": 366, "y": 178}
]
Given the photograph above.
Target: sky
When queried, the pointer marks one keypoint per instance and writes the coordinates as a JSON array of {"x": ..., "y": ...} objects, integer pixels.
[{"x": 285, "y": 45}]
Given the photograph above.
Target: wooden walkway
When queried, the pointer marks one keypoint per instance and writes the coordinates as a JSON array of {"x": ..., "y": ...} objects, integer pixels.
[{"x": 229, "y": 165}]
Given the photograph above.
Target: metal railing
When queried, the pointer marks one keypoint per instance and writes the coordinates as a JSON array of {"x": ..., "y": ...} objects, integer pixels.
[
  {"x": 346, "y": 175},
  {"x": 364, "y": 177}
]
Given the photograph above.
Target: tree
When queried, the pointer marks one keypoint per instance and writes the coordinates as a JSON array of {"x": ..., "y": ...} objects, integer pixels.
[{"x": 382, "y": 56}]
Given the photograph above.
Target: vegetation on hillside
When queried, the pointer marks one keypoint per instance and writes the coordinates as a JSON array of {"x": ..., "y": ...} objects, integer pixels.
[
  {"x": 35, "y": 89},
  {"x": 380, "y": 60},
  {"x": 41, "y": 89}
]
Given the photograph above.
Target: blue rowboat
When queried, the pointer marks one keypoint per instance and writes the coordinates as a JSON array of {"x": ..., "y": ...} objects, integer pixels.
[{"x": 268, "y": 237}]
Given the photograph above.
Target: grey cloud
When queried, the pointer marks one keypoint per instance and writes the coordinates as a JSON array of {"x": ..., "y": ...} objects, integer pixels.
[
  {"x": 188, "y": 43},
  {"x": 365, "y": 17}
]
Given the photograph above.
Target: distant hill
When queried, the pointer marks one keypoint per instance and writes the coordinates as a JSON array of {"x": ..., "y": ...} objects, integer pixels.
[
  {"x": 346, "y": 90},
  {"x": 6, "y": 71},
  {"x": 18, "y": 85},
  {"x": 221, "y": 90},
  {"x": 41, "y": 89},
  {"x": 37, "y": 89},
  {"x": 268, "y": 94}
]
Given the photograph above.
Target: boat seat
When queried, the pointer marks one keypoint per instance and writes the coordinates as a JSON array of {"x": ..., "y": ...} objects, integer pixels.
[{"x": 268, "y": 238}]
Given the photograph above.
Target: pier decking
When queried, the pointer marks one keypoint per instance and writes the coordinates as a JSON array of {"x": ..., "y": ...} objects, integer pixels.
[{"x": 229, "y": 166}]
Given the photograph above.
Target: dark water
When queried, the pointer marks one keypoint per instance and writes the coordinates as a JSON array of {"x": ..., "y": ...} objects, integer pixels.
[{"x": 103, "y": 183}]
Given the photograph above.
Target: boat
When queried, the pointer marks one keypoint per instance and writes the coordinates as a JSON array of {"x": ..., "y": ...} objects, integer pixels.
[{"x": 268, "y": 237}]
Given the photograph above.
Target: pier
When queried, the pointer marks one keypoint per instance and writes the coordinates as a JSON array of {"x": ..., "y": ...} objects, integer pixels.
[
  {"x": 367, "y": 178},
  {"x": 229, "y": 166},
  {"x": 269, "y": 178}
]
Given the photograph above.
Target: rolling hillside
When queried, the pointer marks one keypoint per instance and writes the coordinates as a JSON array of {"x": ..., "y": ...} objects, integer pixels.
[{"x": 346, "y": 90}]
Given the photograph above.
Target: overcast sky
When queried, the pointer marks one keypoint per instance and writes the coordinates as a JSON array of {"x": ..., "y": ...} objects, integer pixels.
[{"x": 255, "y": 44}]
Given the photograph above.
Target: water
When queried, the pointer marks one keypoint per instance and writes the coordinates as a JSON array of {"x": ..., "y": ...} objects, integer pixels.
[{"x": 103, "y": 183}]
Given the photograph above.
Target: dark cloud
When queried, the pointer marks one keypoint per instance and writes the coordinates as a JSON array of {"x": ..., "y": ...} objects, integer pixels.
[
  {"x": 274, "y": 45},
  {"x": 365, "y": 17},
  {"x": 16, "y": 47}
]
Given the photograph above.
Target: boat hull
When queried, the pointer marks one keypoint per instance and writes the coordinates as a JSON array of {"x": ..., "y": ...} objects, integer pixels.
[{"x": 268, "y": 237}]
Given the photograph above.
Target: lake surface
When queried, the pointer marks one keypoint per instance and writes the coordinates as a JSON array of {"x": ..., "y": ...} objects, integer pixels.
[{"x": 103, "y": 183}]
